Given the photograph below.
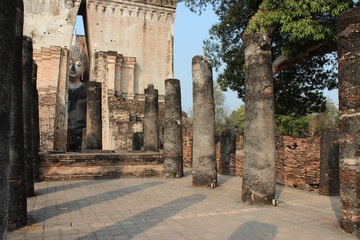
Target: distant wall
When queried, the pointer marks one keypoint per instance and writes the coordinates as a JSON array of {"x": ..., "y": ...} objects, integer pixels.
[{"x": 297, "y": 162}]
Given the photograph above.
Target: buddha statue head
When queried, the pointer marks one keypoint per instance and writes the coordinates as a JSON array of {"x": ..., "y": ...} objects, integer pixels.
[{"x": 77, "y": 64}]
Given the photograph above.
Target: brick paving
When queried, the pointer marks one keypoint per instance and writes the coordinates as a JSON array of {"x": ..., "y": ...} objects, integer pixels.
[{"x": 157, "y": 208}]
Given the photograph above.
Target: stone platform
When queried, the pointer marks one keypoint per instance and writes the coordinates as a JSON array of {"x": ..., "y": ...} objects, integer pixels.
[{"x": 85, "y": 166}]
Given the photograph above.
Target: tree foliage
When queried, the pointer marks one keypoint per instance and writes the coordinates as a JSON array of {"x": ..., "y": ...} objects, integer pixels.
[
  {"x": 302, "y": 34},
  {"x": 309, "y": 125},
  {"x": 221, "y": 109},
  {"x": 237, "y": 118}
]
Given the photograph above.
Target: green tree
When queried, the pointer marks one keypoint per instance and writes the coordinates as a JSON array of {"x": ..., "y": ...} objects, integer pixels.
[
  {"x": 319, "y": 121},
  {"x": 309, "y": 125},
  {"x": 237, "y": 118},
  {"x": 302, "y": 33},
  {"x": 290, "y": 125},
  {"x": 221, "y": 109}
]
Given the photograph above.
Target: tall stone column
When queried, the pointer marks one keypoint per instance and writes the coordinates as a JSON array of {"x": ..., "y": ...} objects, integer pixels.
[
  {"x": 128, "y": 76},
  {"x": 7, "y": 36},
  {"x": 17, "y": 190},
  {"x": 151, "y": 119},
  {"x": 111, "y": 69},
  {"x": 27, "y": 105},
  {"x": 204, "y": 150},
  {"x": 329, "y": 163},
  {"x": 259, "y": 141},
  {"x": 93, "y": 116},
  {"x": 61, "y": 113},
  {"x": 118, "y": 77},
  {"x": 35, "y": 123},
  {"x": 228, "y": 146},
  {"x": 173, "y": 159},
  {"x": 348, "y": 40}
]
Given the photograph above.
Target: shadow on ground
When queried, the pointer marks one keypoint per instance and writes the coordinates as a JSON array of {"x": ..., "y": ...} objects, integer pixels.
[
  {"x": 58, "y": 209},
  {"x": 77, "y": 184},
  {"x": 146, "y": 220},
  {"x": 255, "y": 230}
]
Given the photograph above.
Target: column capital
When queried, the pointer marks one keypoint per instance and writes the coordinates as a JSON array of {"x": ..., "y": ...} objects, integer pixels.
[{"x": 128, "y": 62}]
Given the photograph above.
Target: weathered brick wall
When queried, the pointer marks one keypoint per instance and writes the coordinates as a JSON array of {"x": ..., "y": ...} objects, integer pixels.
[
  {"x": 48, "y": 61},
  {"x": 99, "y": 166},
  {"x": 187, "y": 135},
  {"x": 297, "y": 162},
  {"x": 236, "y": 164},
  {"x": 126, "y": 118},
  {"x": 47, "y": 102}
]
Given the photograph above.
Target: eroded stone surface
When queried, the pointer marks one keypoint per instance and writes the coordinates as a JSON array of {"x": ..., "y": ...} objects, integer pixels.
[
  {"x": 27, "y": 63},
  {"x": 7, "y": 36},
  {"x": 173, "y": 159},
  {"x": 329, "y": 163},
  {"x": 204, "y": 159},
  {"x": 259, "y": 139},
  {"x": 93, "y": 116},
  {"x": 17, "y": 190},
  {"x": 151, "y": 124},
  {"x": 348, "y": 38}
]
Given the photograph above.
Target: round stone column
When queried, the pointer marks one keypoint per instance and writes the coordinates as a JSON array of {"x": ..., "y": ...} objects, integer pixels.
[
  {"x": 348, "y": 44},
  {"x": 151, "y": 122},
  {"x": 329, "y": 163},
  {"x": 27, "y": 59},
  {"x": 228, "y": 146},
  {"x": 259, "y": 140},
  {"x": 204, "y": 150},
  {"x": 7, "y": 36},
  {"x": 173, "y": 161},
  {"x": 17, "y": 189},
  {"x": 93, "y": 116}
]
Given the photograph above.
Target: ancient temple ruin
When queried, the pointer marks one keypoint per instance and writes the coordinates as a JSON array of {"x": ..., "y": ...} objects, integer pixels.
[{"x": 128, "y": 44}]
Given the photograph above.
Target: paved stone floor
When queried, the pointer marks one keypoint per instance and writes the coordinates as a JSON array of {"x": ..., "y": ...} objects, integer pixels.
[{"x": 156, "y": 208}]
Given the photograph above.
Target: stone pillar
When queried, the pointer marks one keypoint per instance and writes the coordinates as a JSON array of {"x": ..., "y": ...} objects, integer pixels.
[
  {"x": 329, "y": 163},
  {"x": 111, "y": 68},
  {"x": 61, "y": 113},
  {"x": 227, "y": 147},
  {"x": 173, "y": 159},
  {"x": 204, "y": 150},
  {"x": 35, "y": 123},
  {"x": 7, "y": 36},
  {"x": 118, "y": 77},
  {"x": 151, "y": 119},
  {"x": 348, "y": 40},
  {"x": 17, "y": 190},
  {"x": 128, "y": 77},
  {"x": 259, "y": 140},
  {"x": 93, "y": 116},
  {"x": 27, "y": 105}
]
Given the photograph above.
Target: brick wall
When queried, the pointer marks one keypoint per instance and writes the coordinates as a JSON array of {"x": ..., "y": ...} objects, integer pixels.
[
  {"x": 126, "y": 118},
  {"x": 187, "y": 135},
  {"x": 297, "y": 162},
  {"x": 48, "y": 62}
]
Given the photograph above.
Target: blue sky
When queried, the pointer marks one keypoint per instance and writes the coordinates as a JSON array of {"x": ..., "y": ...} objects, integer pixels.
[{"x": 190, "y": 31}]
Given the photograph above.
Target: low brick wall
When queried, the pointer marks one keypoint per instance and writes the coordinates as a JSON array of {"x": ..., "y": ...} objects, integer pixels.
[
  {"x": 297, "y": 162},
  {"x": 99, "y": 165}
]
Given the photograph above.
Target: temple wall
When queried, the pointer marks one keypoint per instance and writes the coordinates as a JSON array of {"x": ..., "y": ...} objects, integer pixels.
[
  {"x": 136, "y": 29},
  {"x": 50, "y": 22},
  {"x": 137, "y": 37}
]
